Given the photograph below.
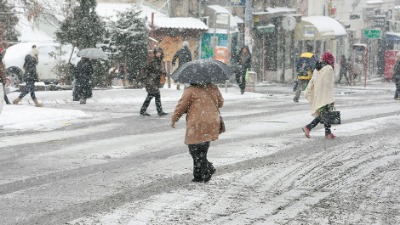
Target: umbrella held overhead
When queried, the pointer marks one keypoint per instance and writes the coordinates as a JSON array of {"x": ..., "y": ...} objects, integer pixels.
[
  {"x": 202, "y": 72},
  {"x": 92, "y": 53}
]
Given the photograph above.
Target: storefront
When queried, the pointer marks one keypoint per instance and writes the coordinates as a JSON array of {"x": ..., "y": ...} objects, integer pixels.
[
  {"x": 220, "y": 40},
  {"x": 273, "y": 48},
  {"x": 323, "y": 33}
]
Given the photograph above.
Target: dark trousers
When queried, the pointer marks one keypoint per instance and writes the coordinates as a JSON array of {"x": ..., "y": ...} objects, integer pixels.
[
  {"x": 299, "y": 89},
  {"x": 29, "y": 88},
  {"x": 241, "y": 80},
  {"x": 147, "y": 101},
  {"x": 397, "y": 93},
  {"x": 5, "y": 95},
  {"x": 201, "y": 166},
  {"x": 341, "y": 74},
  {"x": 316, "y": 121}
]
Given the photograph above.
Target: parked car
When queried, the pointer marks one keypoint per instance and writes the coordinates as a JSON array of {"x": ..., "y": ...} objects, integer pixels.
[{"x": 15, "y": 55}]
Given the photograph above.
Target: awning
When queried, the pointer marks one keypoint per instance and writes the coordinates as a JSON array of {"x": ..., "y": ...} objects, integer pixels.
[{"x": 318, "y": 28}]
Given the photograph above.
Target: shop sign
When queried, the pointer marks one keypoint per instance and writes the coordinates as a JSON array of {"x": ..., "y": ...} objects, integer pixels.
[
  {"x": 372, "y": 33},
  {"x": 238, "y": 2},
  {"x": 309, "y": 31}
]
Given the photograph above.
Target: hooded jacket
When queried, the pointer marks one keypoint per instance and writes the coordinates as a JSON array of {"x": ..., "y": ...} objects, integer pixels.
[{"x": 153, "y": 71}]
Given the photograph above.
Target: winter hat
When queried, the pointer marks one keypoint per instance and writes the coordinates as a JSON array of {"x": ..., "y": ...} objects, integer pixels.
[
  {"x": 158, "y": 49},
  {"x": 185, "y": 44},
  {"x": 2, "y": 52},
  {"x": 328, "y": 58}
]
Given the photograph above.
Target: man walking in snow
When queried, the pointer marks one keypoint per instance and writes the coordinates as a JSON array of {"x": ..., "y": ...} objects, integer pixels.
[
  {"x": 151, "y": 79},
  {"x": 183, "y": 55},
  {"x": 30, "y": 78},
  {"x": 305, "y": 67}
]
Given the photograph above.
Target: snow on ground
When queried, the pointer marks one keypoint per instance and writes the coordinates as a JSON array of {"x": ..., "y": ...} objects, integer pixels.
[{"x": 246, "y": 194}]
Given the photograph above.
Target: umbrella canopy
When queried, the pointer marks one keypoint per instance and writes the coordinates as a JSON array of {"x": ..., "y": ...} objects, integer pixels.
[
  {"x": 92, "y": 53},
  {"x": 202, "y": 71}
]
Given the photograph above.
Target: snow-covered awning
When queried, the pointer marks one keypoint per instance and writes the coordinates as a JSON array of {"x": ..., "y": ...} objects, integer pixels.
[{"x": 319, "y": 27}]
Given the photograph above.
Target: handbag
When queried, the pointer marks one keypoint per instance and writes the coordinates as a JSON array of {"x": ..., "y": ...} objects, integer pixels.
[
  {"x": 331, "y": 117},
  {"x": 221, "y": 124},
  {"x": 222, "y": 127}
]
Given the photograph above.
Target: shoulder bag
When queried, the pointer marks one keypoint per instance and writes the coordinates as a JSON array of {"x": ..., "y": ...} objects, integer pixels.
[{"x": 222, "y": 128}]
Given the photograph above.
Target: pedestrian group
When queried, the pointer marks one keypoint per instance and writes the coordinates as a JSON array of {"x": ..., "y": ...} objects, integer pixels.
[{"x": 201, "y": 101}]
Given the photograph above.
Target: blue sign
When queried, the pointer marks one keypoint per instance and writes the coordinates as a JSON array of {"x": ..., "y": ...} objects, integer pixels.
[{"x": 238, "y": 2}]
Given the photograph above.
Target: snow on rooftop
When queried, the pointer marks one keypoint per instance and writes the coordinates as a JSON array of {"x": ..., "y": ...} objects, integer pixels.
[
  {"x": 238, "y": 19},
  {"x": 280, "y": 9},
  {"x": 110, "y": 10},
  {"x": 326, "y": 25},
  {"x": 180, "y": 23},
  {"x": 375, "y": 2},
  {"x": 220, "y": 9}
]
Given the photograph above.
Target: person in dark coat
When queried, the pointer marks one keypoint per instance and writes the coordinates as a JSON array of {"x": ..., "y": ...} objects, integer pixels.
[
  {"x": 305, "y": 66},
  {"x": 2, "y": 81},
  {"x": 3, "y": 76},
  {"x": 183, "y": 55},
  {"x": 396, "y": 77},
  {"x": 151, "y": 80},
  {"x": 83, "y": 78},
  {"x": 243, "y": 63},
  {"x": 343, "y": 69},
  {"x": 30, "y": 78}
]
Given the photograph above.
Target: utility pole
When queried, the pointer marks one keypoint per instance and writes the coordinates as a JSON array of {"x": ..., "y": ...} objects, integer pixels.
[{"x": 248, "y": 20}]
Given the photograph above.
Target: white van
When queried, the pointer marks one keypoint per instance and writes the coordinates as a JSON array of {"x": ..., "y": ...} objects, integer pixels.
[{"x": 15, "y": 55}]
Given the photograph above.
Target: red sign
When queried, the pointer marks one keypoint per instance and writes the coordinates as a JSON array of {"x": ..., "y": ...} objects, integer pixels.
[{"x": 390, "y": 60}]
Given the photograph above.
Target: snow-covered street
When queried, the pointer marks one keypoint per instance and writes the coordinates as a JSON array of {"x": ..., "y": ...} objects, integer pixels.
[{"x": 102, "y": 163}]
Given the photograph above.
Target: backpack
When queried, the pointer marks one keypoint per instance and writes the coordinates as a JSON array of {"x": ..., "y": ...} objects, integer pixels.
[{"x": 303, "y": 68}]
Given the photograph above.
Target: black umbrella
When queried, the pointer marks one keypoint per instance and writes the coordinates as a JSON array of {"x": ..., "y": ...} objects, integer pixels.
[{"x": 202, "y": 71}]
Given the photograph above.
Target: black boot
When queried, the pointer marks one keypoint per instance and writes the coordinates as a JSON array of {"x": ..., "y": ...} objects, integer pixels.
[
  {"x": 144, "y": 114},
  {"x": 162, "y": 113}
]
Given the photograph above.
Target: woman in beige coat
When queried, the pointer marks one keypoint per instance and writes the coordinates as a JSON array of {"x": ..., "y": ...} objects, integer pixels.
[
  {"x": 200, "y": 103},
  {"x": 319, "y": 93}
]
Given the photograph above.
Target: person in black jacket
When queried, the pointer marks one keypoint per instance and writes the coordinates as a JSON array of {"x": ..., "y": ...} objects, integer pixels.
[
  {"x": 151, "y": 80},
  {"x": 183, "y": 55},
  {"x": 3, "y": 76},
  {"x": 83, "y": 78},
  {"x": 30, "y": 78},
  {"x": 343, "y": 69},
  {"x": 243, "y": 64}
]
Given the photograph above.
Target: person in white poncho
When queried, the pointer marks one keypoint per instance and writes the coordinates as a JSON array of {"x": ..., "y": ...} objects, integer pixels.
[{"x": 319, "y": 93}]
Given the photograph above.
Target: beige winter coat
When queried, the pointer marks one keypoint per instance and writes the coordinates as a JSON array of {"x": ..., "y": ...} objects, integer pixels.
[
  {"x": 202, "y": 117},
  {"x": 319, "y": 91}
]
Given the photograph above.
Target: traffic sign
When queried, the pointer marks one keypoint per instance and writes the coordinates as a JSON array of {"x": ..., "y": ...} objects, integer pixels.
[{"x": 372, "y": 33}]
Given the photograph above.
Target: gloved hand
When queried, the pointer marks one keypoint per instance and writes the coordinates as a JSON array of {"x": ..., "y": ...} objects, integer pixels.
[{"x": 172, "y": 125}]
